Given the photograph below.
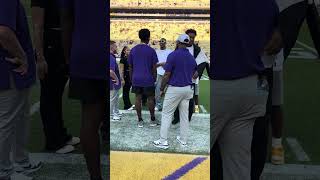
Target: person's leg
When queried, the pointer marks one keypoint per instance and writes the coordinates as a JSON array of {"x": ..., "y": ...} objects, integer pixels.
[
  {"x": 235, "y": 143},
  {"x": 116, "y": 111},
  {"x": 139, "y": 106},
  {"x": 151, "y": 101},
  {"x": 171, "y": 101},
  {"x": 126, "y": 94},
  {"x": 277, "y": 119},
  {"x": 196, "y": 98},
  {"x": 290, "y": 22},
  {"x": 10, "y": 109},
  {"x": 184, "y": 113},
  {"x": 92, "y": 116},
  {"x": 157, "y": 92},
  {"x": 217, "y": 171}
]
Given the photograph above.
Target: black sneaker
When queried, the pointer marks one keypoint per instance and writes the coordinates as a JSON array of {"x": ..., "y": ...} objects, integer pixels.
[{"x": 140, "y": 123}]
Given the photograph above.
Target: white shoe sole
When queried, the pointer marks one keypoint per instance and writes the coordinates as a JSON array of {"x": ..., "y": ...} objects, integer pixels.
[{"x": 161, "y": 146}]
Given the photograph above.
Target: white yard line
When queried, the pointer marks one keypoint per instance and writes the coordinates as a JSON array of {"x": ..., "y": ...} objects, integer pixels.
[
  {"x": 203, "y": 109},
  {"x": 298, "y": 150},
  {"x": 144, "y": 112},
  {"x": 307, "y": 47},
  {"x": 35, "y": 108}
]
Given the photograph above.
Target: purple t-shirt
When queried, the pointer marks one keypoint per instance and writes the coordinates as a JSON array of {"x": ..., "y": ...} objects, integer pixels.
[
  {"x": 142, "y": 59},
  {"x": 12, "y": 15},
  {"x": 182, "y": 66},
  {"x": 88, "y": 54},
  {"x": 240, "y": 33},
  {"x": 115, "y": 68}
]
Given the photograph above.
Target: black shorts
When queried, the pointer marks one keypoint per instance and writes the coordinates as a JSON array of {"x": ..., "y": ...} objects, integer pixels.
[
  {"x": 147, "y": 91},
  {"x": 88, "y": 90}
]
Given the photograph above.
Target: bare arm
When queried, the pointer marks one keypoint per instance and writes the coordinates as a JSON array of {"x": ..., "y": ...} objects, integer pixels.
[
  {"x": 38, "y": 29},
  {"x": 67, "y": 24},
  {"x": 165, "y": 80},
  {"x": 121, "y": 68},
  {"x": 9, "y": 41}
]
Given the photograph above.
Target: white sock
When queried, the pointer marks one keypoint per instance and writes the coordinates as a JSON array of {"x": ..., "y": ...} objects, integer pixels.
[{"x": 276, "y": 142}]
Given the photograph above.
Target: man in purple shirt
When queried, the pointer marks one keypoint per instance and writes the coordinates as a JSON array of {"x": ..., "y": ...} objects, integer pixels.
[
  {"x": 84, "y": 38},
  {"x": 143, "y": 73},
  {"x": 239, "y": 88},
  {"x": 17, "y": 75},
  {"x": 180, "y": 70}
]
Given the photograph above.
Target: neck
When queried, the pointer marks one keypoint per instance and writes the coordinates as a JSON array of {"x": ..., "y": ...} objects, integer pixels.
[
  {"x": 144, "y": 42},
  {"x": 162, "y": 48}
]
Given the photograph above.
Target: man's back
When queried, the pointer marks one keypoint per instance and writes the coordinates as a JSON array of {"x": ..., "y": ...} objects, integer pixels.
[
  {"x": 182, "y": 66},
  {"x": 142, "y": 59}
]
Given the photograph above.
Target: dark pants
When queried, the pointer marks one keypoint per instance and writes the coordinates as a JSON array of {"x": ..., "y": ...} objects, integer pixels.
[
  {"x": 52, "y": 88},
  {"x": 126, "y": 93},
  {"x": 291, "y": 20},
  {"x": 259, "y": 141}
]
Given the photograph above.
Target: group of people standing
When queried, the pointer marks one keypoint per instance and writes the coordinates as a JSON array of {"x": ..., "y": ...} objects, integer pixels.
[{"x": 153, "y": 73}]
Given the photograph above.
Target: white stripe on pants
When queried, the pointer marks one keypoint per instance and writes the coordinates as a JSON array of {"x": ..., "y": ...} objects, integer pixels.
[
  {"x": 176, "y": 97},
  {"x": 14, "y": 127}
]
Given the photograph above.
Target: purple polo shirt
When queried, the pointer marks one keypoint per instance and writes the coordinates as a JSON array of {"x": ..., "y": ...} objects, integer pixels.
[
  {"x": 88, "y": 54},
  {"x": 182, "y": 66},
  {"x": 241, "y": 29},
  {"x": 142, "y": 58},
  {"x": 115, "y": 68},
  {"x": 12, "y": 15}
]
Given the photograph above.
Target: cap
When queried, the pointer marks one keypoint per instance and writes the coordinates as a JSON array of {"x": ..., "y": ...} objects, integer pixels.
[{"x": 183, "y": 38}]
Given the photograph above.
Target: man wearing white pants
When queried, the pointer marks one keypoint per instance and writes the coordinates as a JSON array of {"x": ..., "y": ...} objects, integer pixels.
[{"x": 180, "y": 69}]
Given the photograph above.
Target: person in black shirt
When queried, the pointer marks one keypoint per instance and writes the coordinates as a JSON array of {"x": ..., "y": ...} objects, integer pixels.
[
  {"x": 124, "y": 69},
  {"x": 52, "y": 70}
]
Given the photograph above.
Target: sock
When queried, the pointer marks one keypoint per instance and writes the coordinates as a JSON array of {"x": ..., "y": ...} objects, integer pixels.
[{"x": 276, "y": 142}]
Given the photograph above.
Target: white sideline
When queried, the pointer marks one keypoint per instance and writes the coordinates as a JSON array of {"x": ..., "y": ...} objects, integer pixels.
[
  {"x": 298, "y": 150},
  {"x": 307, "y": 47}
]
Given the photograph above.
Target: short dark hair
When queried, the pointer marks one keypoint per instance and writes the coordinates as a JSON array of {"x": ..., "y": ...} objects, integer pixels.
[
  {"x": 144, "y": 34},
  {"x": 112, "y": 42},
  {"x": 191, "y": 31}
]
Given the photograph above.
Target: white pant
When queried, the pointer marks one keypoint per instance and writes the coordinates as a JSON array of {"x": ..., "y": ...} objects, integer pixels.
[
  {"x": 14, "y": 128},
  {"x": 176, "y": 97},
  {"x": 114, "y": 102}
]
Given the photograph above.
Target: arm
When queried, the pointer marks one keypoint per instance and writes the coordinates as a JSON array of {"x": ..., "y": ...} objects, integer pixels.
[
  {"x": 121, "y": 69},
  {"x": 165, "y": 81},
  {"x": 9, "y": 42},
  {"x": 67, "y": 25},
  {"x": 130, "y": 72},
  {"x": 114, "y": 77},
  {"x": 38, "y": 29}
]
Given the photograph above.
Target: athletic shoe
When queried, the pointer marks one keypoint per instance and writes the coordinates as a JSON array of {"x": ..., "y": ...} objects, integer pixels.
[
  {"x": 28, "y": 169},
  {"x": 74, "y": 141},
  {"x": 19, "y": 176},
  {"x": 183, "y": 143},
  {"x": 115, "y": 118},
  {"x": 120, "y": 114},
  {"x": 154, "y": 123},
  {"x": 196, "y": 109},
  {"x": 277, "y": 155},
  {"x": 140, "y": 124},
  {"x": 161, "y": 144},
  {"x": 65, "y": 149},
  {"x": 132, "y": 108}
]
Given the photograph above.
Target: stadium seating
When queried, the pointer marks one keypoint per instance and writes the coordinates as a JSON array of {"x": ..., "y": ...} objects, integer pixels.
[
  {"x": 126, "y": 32},
  {"x": 160, "y": 3}
]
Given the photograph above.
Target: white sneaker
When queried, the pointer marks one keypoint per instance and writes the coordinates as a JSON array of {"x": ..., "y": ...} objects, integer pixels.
[
  {"x": 65, "y": 149},
  {"x": 120, "y": 114},
  {"x": 115, "y": 118},
  {"x": 183, "y": 143},
  {"x": 18, "y": 176},
  {"x": 161, "y": 144},
  {"x": 132, "y": 108},
  {"x": 74, "y": 141},
  {"x": 156, "y": 109},
  {"x": 28, "y": 168}
]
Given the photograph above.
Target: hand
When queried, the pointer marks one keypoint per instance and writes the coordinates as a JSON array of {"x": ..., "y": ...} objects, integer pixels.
[
  {"x": 122, "y": 82},
  {"x": 162, "y": 64},
  {"x": 21, "y": 62},
  {"x": 42, "y": 68},
  {"x": 275, "y": 44}
]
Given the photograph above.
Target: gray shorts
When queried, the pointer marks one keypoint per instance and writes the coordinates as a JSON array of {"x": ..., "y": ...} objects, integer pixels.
[
  {"x": 196, "y": 89},
  {"x": 277, "y": 89}
]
